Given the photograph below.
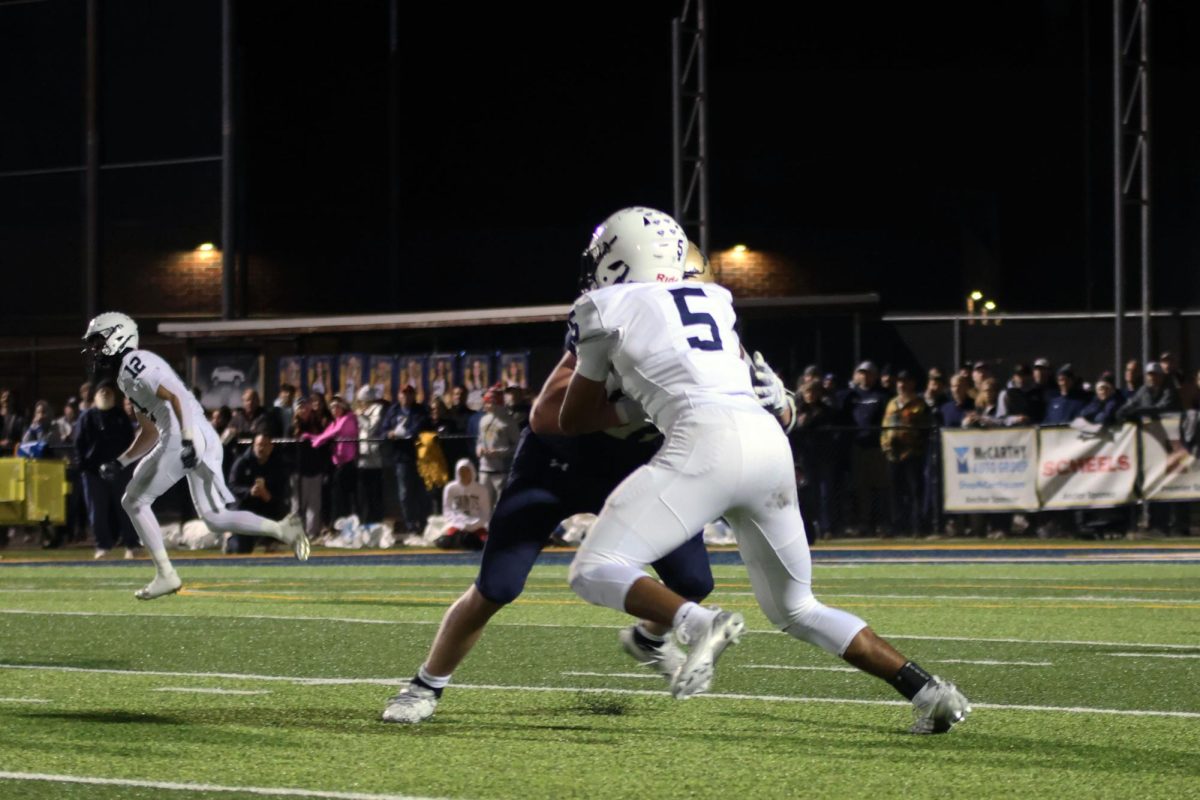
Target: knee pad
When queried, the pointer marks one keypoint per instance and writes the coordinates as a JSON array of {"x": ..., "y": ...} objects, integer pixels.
[
  {"x": 830, "y": 629},
  {"x": 500, "y": 589}
]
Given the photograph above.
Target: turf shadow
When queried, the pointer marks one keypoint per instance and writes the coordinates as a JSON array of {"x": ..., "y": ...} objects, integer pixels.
[{"x": 104, "y": 717}]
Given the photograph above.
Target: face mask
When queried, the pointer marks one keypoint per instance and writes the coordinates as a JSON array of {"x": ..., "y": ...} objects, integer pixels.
[{"x": 105, "y": 401}]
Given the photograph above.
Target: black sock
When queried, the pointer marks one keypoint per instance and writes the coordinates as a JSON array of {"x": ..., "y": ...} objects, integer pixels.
[
  {"x": 645, "y": 641},
  {"x": 910, "y": 680},
  {"x": 437, "y": 692}
]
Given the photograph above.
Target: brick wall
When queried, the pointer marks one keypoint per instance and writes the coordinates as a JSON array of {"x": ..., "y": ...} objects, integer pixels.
[
  {"x": 755, "y": 273},
  {"x": 182, "y": 283}
]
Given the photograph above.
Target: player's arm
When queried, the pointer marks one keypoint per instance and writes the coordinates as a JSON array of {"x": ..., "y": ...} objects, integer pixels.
[
  {"x": 543, "y": 417},
  {"x": 187, "y": 434},
  {"x": 145, "y": 439},
  {"x": 585, "y": 407}
]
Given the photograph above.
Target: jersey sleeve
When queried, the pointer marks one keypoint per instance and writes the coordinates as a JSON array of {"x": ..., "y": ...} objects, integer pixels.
[{"x": 595, "y": 342}]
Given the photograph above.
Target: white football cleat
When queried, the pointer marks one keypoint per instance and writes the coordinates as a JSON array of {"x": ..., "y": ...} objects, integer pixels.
[
  {"x": 696, "y": 674},
  {"x": 160, "y": 586},
  {"x": 100, "y": 553},
  {"x": 293, "y": 534},
  {"x": 665, "y": 660},
  {"x": 412, "y": 705},
  {"x": 938, "y": 707}
]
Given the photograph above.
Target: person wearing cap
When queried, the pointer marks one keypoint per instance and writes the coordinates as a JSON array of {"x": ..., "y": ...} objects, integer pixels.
[
  {"x": 1021, "y": 403},
  {"x": 1171, "y": 370},
  {"x": 906, "y": 424},
  {"x": 864, "y": 406},
  {"x": 497, "y": 441},
  {"x": 887, "y": 380},
  {"x": 1068, "y": 402},
  {"x": 811, "y": 374},
  {"x": 1044, "y": 380},
  {"x": 935, "y": 389},
  {"x": 368, "y": 410},
  {"x": 1156, "y": 397},
  {"x": 1102, "y": 409},
  {"x": 980, "y": 372}
]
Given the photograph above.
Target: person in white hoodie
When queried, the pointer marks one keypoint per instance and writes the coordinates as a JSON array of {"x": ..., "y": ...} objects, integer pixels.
[{"x": 467, "y": 507}]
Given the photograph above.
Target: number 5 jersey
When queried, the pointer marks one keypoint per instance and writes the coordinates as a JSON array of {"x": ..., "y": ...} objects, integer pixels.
[{"x": 674, "y": 346}]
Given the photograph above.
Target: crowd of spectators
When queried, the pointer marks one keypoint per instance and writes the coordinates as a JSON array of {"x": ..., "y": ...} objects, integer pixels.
[{"x": 865, "y": 452}]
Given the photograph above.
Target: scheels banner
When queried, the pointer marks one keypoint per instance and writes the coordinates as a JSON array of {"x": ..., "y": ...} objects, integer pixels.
[{"x": 1029, "y": 469}]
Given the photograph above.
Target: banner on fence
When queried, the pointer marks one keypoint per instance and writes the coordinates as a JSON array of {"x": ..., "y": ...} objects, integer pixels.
[
  {"x": 990, "y": 469},
  {"x": 1170, "y": 472},
  {"x": 1085, "y": 469}
]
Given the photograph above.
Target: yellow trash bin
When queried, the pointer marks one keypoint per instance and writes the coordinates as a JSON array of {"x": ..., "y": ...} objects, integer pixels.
[{"x": 33, "y": 491}]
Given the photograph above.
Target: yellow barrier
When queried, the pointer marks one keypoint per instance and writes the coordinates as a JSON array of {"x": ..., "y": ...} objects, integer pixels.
[{"x": 33, "y": 492}]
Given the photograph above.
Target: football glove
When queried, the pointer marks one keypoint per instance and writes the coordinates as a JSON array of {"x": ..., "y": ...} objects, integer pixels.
[
  {"x": 187, "y": 454},
  {"x": 110, "y": 470},
  {"x": 767, "y": 385}
]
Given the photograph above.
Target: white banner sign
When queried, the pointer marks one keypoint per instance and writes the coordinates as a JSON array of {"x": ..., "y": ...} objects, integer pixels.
[
  {"x": 1171, "y": 472},
  {"x": 989, "y": 469},
  {"x": 1078, "y": 469}
]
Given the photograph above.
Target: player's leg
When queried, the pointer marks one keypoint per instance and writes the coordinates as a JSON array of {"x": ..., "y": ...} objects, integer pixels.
[
  {"x": 519, "y": 529},
  {"x": 211, "y": 497},
  {"x": 775, "y": 550},
  {"x": 155, "y": 474},
  {"x": 687, "y": 572}
]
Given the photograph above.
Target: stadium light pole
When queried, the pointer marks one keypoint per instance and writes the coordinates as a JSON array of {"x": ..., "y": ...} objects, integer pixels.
[{"x": 228, "y": 246}]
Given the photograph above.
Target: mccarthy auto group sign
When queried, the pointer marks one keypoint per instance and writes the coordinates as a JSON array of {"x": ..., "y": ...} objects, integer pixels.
[{"x": 990, "y": 469}]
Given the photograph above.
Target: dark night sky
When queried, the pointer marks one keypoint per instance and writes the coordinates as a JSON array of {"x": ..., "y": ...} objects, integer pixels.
[{"x": 918, "y": 150}]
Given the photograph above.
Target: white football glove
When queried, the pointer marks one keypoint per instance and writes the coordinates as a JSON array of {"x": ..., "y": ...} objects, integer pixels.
[{"x": 771, "y": 394}]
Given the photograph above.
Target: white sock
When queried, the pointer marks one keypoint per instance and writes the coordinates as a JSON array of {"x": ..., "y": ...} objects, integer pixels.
[
  {"x": 146, "y": 525},
  {"x": 433, "y": 681},
  {"x": 691, "y": 620}
]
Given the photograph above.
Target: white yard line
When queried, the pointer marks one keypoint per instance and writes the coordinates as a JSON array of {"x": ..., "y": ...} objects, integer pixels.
[
  {"x": 797, "y": 667},
  {"x": 1129, "y": 712},
  {"x": 367, "y": 621},
  {"x": 641, "y": 675},
  {"x": 22, "y": 700},
  {"x": 203, "y": 690},
  {"x": 267, "y": 791},
  {"x": 1155, "y": 655},
  {"x": 989, "y": 663}
]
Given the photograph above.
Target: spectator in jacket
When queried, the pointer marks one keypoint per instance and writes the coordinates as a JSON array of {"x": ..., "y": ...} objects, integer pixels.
[
  {"x": 103, "y": 433},
  {"x": 1133, "y": 379},
  {"x": 467, "y": 506},
  {"x": 1070, "y": 400},
  {"x": 1021, "y": 401},
  {"x": 42, "y": 435},
  {"x": 12, "y": 423},
  {"x": 369, "y": 411},
  {"x": 260, "y": 419},
  {"x": 313, "y": 464},
  {"x": 814, "y": 451},
  {"x": 498, "y": 435},
  {"x": 517, "y": 403},
  {"x": 258, "y": 479},
  {"x": 986, "y": 413},
  {"x": 1044, "y": 380},
  {"x": 952, "y": 413},
  {"x": 935, "y": 389},
  {"x": 906, "y": 423},
  {"x": 1156, "y": 397},
  {"x": 980, "y": 372},
  {"x": 864, "y": 406},
  {"x": 342, "y": 433},
  {"x": 285, "y": 405},
  {"x": 86, "y": 395},
  {"x": 401, "y": 424},
  {"x": 1102, "y": 409}
]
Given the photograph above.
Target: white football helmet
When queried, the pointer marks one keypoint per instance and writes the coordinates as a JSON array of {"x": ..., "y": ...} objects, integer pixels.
[
  {"x": 634, "y": 245},
  {"x": 110, "y": 334},
  {"x": 696, "y": 266}
]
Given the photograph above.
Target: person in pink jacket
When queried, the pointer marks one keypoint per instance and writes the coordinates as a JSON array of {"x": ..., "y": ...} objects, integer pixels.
[{"x": 343, "y": 432}]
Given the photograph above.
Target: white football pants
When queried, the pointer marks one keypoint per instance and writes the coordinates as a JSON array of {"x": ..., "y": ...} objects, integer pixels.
[{"x": 716, "y": 461}]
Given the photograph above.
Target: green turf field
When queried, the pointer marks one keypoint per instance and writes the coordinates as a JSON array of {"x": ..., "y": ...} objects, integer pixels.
[{"x": 1085, "y": 681}]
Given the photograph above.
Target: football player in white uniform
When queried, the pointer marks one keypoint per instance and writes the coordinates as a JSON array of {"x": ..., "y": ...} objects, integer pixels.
[
  {"x": 174, "y": 440},
  {"x": 673, "y": 345}
]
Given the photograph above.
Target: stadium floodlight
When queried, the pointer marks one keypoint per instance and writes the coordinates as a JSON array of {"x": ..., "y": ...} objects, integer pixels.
[
  {"x": 740, "y": 248},
  {"x": 976, "y": 295},
  {"x": 989, "y": 306},
  {"x": 207, "y": 247}
]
